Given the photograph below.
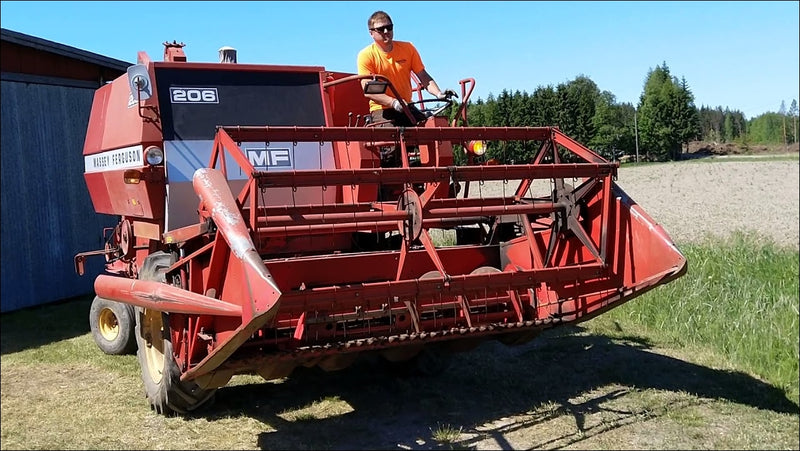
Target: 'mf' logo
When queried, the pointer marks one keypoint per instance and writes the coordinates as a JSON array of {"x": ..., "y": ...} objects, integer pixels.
[{"x": 272, "y": 157}]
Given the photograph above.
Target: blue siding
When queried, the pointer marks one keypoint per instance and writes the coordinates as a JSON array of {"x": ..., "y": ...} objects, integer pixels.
[{"x": 47, "y": 215}]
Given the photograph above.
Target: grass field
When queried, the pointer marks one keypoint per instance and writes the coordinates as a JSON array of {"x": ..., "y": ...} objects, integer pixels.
[
  {"x": 709, "y": 361},
  {"x": 739, "y": 298}
]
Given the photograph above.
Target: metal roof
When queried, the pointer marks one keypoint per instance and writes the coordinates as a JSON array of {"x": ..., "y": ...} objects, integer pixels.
[{"x": 61, "y": 49}]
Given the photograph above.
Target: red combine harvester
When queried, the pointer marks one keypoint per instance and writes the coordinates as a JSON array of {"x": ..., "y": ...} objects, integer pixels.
[{"x": 258, "y": 233}]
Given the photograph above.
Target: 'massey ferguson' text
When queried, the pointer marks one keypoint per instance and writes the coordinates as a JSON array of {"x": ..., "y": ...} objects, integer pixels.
[{"x": 128, "y": 157}]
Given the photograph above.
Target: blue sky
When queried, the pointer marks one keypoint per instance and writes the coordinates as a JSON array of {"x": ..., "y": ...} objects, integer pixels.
[{"x": 736, "y": 54}]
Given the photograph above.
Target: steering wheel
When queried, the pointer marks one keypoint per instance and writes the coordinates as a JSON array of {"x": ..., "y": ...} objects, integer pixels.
[
  {"x": 435, "y": 106},
  {"x": 432, "y": 107}
]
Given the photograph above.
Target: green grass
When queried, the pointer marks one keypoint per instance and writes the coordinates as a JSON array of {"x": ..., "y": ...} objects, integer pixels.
[
  {"x": 738, "y": 297},
  {"x": 736, "y": 310},
  {"x": 67, "y": 338},
  {"x": 445, "y": 433}
]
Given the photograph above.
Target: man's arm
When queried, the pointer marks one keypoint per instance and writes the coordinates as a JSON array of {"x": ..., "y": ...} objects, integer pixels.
[
  {"x": 429, "y": 83},
  {"x": 381, "y": 99}
]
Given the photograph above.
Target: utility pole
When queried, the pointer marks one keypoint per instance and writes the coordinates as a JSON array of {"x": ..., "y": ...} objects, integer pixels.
[
  {"x": 636, "y": 133},
  {"x": 782, "y": 112}
]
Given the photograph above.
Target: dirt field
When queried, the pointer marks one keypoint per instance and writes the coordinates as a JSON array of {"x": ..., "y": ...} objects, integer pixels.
[
  {"x": 692, "y": 200},
  {"x": 710, "y": 148},
  {"x": 712, "y": 196}
]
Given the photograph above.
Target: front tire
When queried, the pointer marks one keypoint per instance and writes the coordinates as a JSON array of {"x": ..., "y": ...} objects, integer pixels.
[
  {"x": 112, "y": 324},
  {"x": 161, "y": 375}
]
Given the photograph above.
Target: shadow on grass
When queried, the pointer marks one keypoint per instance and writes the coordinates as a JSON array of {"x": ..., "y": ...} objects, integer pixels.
[
  {"x": 44, "y": 324},
  {"x": 492, "y": 382},
  {"x": 573, "y": 373}
]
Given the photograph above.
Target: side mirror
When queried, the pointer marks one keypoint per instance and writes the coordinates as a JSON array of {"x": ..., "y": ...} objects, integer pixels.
[
  {"x": 139, "y": 82},
  {"x": 375, "y": 87}
]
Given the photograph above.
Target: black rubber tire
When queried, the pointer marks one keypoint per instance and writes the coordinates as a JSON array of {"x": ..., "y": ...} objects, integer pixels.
[
  {"x": 165, "y": 392},
  {"x": 113, "y": 326}
]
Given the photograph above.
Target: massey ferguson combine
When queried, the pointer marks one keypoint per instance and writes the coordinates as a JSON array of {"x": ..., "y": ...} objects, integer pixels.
[{"x": 258, "y": 233}]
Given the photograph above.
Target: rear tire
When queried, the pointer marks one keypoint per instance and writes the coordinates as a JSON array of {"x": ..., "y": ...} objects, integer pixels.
[
  {"x": 112, "y": 324},
  {"x": 161, "y": 375}
]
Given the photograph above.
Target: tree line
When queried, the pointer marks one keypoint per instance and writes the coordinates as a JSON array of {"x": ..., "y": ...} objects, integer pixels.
[{"x": 658, "y": 128}]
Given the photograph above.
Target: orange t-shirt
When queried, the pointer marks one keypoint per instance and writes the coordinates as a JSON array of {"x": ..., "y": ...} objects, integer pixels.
[{"x": 395, "y": 65}]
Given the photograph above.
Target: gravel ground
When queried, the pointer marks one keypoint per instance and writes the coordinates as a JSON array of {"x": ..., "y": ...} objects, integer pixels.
[{"x": 697, "y": 199}]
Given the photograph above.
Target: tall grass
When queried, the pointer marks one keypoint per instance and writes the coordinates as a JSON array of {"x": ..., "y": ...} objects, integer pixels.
[{"x": 739, "y": 297}]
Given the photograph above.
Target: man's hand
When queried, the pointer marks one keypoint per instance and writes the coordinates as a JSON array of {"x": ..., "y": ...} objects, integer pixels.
[
  {"x": 397, "y": 105},
  {"x": 446, "y": 94}
]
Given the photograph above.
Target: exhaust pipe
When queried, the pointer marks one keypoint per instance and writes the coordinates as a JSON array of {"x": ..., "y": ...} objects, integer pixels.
[{"x": 227, "y": 55}]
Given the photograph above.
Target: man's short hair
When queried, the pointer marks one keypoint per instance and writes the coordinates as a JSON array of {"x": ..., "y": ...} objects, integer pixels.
[{"x": 376, "y": 16}]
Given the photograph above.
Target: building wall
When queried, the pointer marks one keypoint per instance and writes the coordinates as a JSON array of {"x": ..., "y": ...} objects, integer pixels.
[
  {"x": 46, "y": 93},
  {"x": 47, "y": 215}
]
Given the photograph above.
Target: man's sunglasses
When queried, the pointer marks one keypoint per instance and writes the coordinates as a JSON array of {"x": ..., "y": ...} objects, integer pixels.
[{"x": 384, "y": 29}]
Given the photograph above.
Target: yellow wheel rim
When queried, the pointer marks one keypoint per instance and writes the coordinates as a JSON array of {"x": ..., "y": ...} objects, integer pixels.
[
  {"x": 153, "y": 333},
  {"x": 108, "y": 324}
]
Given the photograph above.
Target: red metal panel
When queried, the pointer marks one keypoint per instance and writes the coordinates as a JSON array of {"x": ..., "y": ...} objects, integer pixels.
[
  {"x": 98, "y": 191},
  {"x": 239, "y": 67},
  {"x": 111, "y": 107},
  {"x": 111, "y": 195}
]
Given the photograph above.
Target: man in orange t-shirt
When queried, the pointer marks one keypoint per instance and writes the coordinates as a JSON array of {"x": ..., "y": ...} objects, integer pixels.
[{"x": 395, "y": 60}]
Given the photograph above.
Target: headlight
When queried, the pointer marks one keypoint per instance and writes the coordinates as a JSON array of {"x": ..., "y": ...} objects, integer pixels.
[
  {"x": 476, "y": 147},
  {"x": 153, "y": 155}
]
